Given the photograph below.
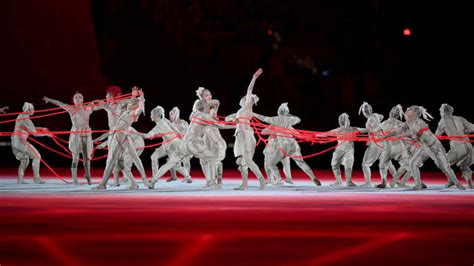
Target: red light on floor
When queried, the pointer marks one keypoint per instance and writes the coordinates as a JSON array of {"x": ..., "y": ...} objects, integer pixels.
[{"x": 407, "y": 32}]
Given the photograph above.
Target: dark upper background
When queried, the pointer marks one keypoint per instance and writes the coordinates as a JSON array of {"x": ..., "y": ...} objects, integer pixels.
[{"x": 323, "y": 57}]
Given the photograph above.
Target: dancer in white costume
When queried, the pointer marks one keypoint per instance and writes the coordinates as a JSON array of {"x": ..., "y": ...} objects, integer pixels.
[
  {"x": 114, "y": 108},
  {"x": 182, "y": 126},
  {"x": 214, "y": 136},
  {"x": 374, "y": 149},
  {"x": 22, "y": 149},
  {"x": 415, "y": 126},
  {"x": 245, "y": 143},
  {"x": 460, "y": 152},
  {"x": 122, "y": 142},
  {"x": 171, "y": 139},
  {"x": 125, "y": 163},
  {"x": 194, "y": 143},
  {"x": 344, "y": 152},
  {"x": 284, "y": 141},
  {"x": 80, "y": 139},
  {"x": 393, "y": 149}
]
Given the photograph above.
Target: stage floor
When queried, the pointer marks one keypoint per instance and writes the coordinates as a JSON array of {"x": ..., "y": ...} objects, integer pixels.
[{"x": 183, "y": 224}]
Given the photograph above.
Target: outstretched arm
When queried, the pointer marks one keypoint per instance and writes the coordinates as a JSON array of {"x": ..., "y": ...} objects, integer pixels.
[
  {"x": 400, "y": 132},
  {"x": 55, "y": 102},
  {"x": 231, "y": 118},
  {"x": 102, "y": 137},
  {"x": 98, "y": 105},
  {"x": 3, "y": 109},
  {"x": 42, "y": 132},
  {"x": 263, "y": 118},
  {"x": 248, "y": 103}
]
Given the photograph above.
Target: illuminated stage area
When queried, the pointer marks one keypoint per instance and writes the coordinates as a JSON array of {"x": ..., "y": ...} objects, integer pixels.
[{"x": 183, "y": 224}]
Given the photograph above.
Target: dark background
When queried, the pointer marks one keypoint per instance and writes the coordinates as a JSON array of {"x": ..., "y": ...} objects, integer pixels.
[{"x": 331, "y": 56}]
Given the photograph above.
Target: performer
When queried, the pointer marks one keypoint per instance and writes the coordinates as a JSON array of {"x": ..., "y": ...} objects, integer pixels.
[
  {"x": 114, "y": 106},
  {"x": 393, "y": 149},
  {"x": 213, "y": 134},
  {"x": 170, "y": 135},
  {"x": 245, "y": 143},
  {"x": 193, "y": 143},
  {"x": 283, "y": 144},
  {"x": 344, "y": 152},
  {"x": 125, "y": 163},
  {"x": 22, "y": 149},
  {"x": 121, "y": 140},
  {"x": 373, "y": 151},
  {"x": 460, "y": 152},
  {"x": 414, "y": 125},
  {"x": 182, "y": 126},
  {"x": 80, "y": 139}
]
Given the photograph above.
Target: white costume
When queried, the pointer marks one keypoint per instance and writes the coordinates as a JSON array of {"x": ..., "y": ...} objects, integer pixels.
[
  {"x": 194, "y": 143},
  {"x": 214, "y": 139},
  {"x": 122, "y": 142},
  {"x": 182, "y": 126},
  {"x": 460, "y": 152},
  {"x": 374, "y": 149},
  {"x": 393, "y": 149},
  {"x": 114, "y": 108},
  {"x": 415, "y": 126},
  {"x": 344, "y": 152},
  {"x": 22, "y": 149},
  {"x": 80, "y": 139},
  {"x": 170, "y": 138},
  {"x": 284, "y": 141},
  {"x": 245, "y": 143}
]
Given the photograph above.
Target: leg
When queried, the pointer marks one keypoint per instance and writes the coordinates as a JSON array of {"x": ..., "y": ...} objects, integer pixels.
[
  {"x": 370, "y": 156},
  {"x": 336, "y": 167},
  {"x": 414, "y": 168},
  {"x": 112, "y": 157},
  {"x": 438, "y": 154},
  {"x": 384, "y": 164},
  {"x": 75, "y": 163},
  {"x": 36, "y": 170},
  {"x": 306, "y": 169},
  {"x": 21, "y": 170},
  {"x": 271, "y": 161},
  {"x": 174, "y": 160},
  {"x": 348, "y": 162},
  {"x": 244, "y": 172},
  {"x": 86, "y": 158},
  {"x": 219, "y": 172},
  {"x": 157, "y": 154},
  {"x": 173, "y": 177},
  {"x": 136, "y": 160},
  {"x": 127, "y": 173},
  {"x": 287, "y": 170}
]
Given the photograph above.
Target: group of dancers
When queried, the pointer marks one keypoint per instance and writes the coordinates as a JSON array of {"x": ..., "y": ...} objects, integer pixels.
[{"x": 409, "y": 142}]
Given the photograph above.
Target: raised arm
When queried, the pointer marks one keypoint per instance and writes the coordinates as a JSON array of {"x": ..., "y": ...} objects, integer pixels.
[
  {"x": 3, "y": 109},
  {"x": 250, "y": 87}
]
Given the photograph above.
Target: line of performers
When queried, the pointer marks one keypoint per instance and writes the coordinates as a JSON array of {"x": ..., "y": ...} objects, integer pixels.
[{"x": 410, "y": 143}]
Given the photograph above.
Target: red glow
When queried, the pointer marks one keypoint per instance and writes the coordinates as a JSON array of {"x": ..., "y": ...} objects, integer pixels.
[
  {"x": 407, "y": 32},
  {"x": 269, "y": 32}
]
